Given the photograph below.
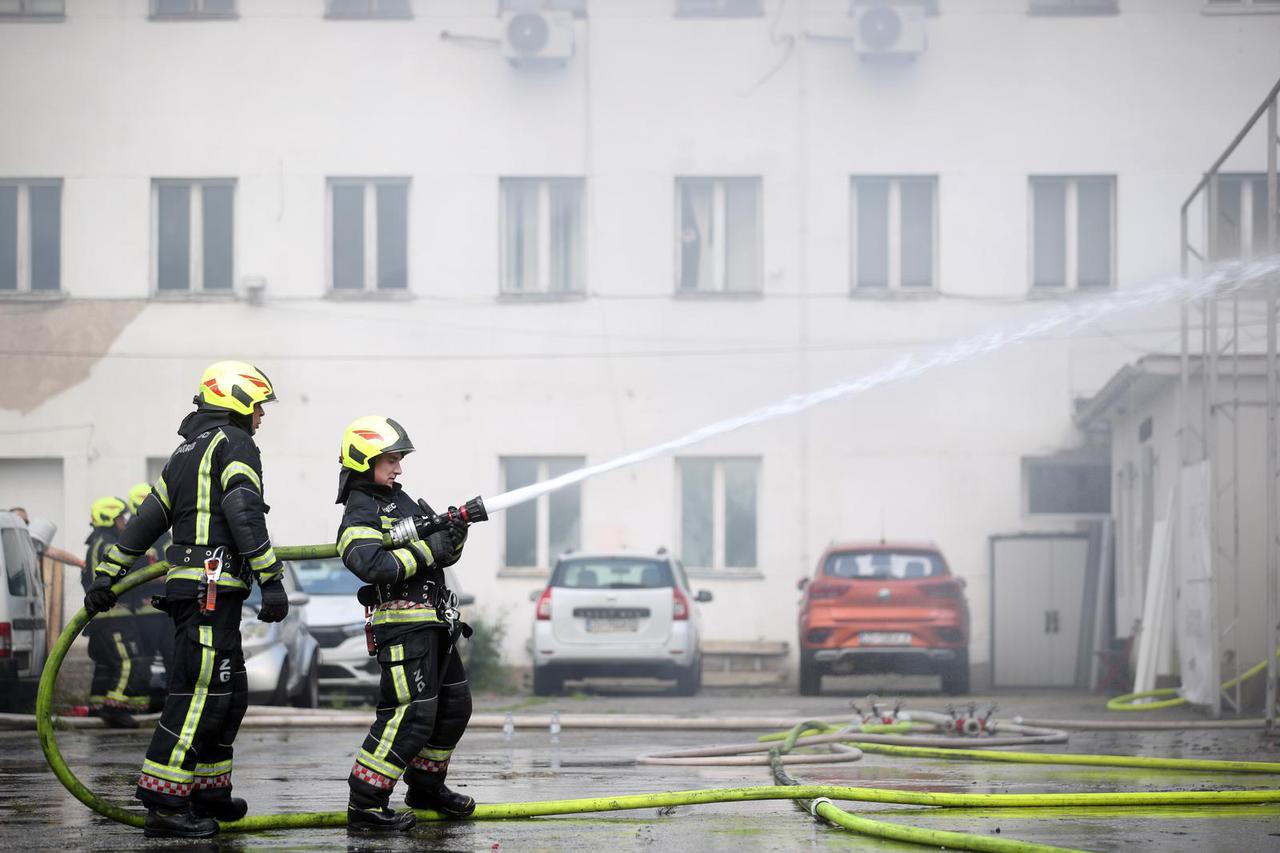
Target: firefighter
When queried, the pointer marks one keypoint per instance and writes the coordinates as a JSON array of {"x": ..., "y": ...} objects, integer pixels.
[
  {"x": 210, "y": 494},
  {"x": 155, "y": 632},
  {"x": 121, "y": 678},
  {"x": 424, "y": 702}
]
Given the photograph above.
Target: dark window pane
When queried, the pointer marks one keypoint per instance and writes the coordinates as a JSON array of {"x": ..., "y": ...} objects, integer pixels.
[
  {"x": 697, "y": 234},
  {"x": 349, "y": 7},
  {"x": 520, "y": 242},
  {"x": 719, "y": 8},
  {"x": 1258, "y": 214},
  {"x": 174, "y": 262},
  {"x": 1068, "y": 489},
  {"x": 1093, "y": 233},
  {"x": 1049, "y": 248},
  {"x": 916, "y": 202},
  {"x": 348, "y": 237},
  {"x": 742, "y": 229},
  {"x": 220, "y": 7},
  {"x": 393, "y": 8},
  {"x": 522, "y": 519},
  {"x": 873, "y": 233},
  {"x": 175, "y": 7},
  {"x": 566, "y": 235},
  {"x": 565, "y": 510},
  {"x": 696, "y": 478},
  {"x": 393, "y": 236},
  {"x": 740, "y": 507},
  {"x": 8, "y": 238},
  {"x": 219, "y": 236},
  {"x": 1227, "y": 240},
  {"x": 46, "y": 237}
]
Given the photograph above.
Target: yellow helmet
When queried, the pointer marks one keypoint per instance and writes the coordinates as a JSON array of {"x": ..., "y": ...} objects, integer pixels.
[
  {"x": 234, "y": 385},
  {"x": 105, "y": 511},
  {"x": 370, "y": 436},
  {"x": 137, "y": 495}
]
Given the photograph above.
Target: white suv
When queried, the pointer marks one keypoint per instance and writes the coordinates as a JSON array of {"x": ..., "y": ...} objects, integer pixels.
[
  {"x": 23, "y": 633},
  {"x": 613, "y": 615}
]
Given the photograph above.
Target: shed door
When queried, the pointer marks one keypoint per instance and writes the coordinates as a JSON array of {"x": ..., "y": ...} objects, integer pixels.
[{"x": 1037, "y": 585}]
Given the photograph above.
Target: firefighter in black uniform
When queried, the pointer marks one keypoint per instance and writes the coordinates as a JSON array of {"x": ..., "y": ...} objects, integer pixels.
[
  {"x": 210, "y": 494},
  {"x": 424, "y": 701},
  {"x": 121, "y": 678},
  {"x": 155, "y": 632}
]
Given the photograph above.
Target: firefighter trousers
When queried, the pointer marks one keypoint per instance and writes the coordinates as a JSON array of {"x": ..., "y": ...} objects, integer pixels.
[
  {"x": 191, "y": 750},
  {"x": 121, "y": 672}
]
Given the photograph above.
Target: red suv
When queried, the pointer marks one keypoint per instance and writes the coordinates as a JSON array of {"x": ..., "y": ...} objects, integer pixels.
[{"x": 884, "y": 607}]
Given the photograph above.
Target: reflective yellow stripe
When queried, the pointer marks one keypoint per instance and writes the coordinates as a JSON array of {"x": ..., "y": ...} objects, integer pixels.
[
  {"x": 421, "y": 547},
  {"x": 162, "y": 492},
  {"x": 213, "y": 769},
  {"x": 389, "y": 733},
  {"x": 198, "y": 696},
  {"x": 126, "y": 667},
  {"x": 351, "y": 534},
  {"x": 377, "y": 765},
  {"x": 238, "y": 467},
  {"x": 405, "y": 556},
  {"x": 162, "y": 771},
  {"x": 387, "y": 617},
  {"x": 204, "y": 490},
  {"x": 397, "y": 675},
  {"x": 263, "y": 560},
  {"x": 187, "y": 573},
  {"x": 436, "y": 754},
  {"x": 115, "y": 555}
]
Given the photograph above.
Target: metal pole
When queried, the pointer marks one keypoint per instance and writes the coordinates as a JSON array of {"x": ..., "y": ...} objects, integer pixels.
[
  {"x": 1273, "y": 567},
  {"x": 1210, "y": 397}
]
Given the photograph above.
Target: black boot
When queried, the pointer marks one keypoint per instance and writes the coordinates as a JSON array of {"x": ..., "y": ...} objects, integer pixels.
[
  {"x": 440, "y": 799},
  {"x": 226, "y": 810},
  {"x": 379, "y": 819},
  {"x": 117, "y": 718},
  {"x": 178, "y": 824}
]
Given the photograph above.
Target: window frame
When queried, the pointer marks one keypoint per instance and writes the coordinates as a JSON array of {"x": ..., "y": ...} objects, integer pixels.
[
  {"x": 543, "y": 557},
  {"x": 718, "y": 517},
  {"x": 369, "y": 208},
  {"x": 1250, "y": 183},
  {"x": 1066, "y": 460},
  {"x": 196, "y": 14},
  {"x": 25, "y": 240},
  {"x": 195, "y": 239},
  {"x": 371, "y": 15},
  {"x": 1071, "y": 245},
  {"x": 894, "y": 286},
  {"x": 544, "y": 186},
  {"x": 26, "y": 15},
  {"x": 719, "y": 185}
]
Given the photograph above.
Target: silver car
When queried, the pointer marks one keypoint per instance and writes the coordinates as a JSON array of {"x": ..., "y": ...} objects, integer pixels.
[{"x": 282, "y": 659}]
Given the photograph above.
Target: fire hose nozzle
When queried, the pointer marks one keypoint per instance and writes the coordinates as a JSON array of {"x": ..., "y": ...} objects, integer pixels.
[{"x": 407, "y": 530}]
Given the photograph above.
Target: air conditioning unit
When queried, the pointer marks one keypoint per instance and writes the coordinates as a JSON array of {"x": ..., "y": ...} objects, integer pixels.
[
  {"x": 888, "y": 30},
  {"x": 537, "y": 37}
]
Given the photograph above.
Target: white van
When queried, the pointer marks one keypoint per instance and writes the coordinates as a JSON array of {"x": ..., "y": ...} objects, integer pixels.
[{"x": 23, "y": 633}]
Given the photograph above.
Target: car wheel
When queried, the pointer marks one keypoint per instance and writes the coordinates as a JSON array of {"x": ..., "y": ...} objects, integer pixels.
[
  {"x": 810, "y": 676},
  {"x": 309, "y": 696},
  {"x": 689, "y": 679},
  {"x": 955, "y": 675},
  {"x": 280, "y": 696},
  {"x": 546, "y": 683}
]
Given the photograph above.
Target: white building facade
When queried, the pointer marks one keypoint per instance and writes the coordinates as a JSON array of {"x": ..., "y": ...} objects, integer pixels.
[{"x": 685, "y": 210}]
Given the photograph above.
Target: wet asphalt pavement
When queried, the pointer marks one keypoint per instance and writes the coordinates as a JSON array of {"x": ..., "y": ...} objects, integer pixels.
[{"x": 303, "y": 769}]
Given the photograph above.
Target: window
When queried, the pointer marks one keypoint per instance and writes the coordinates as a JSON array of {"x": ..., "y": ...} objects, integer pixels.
[
  {"x": 194, "y": 235},
  {"x": 1067, "y": 484},
  {"x": 54, "y": 9},
  {"x": 577, "y": 7},
  {"x": 718, "y": 235},
  {"x": 368, "y": 235},
  {"x": 930, "y": 6},
  {"x": 719, "y": 502},
  {"x": 1074, "y": 7},
  {"x": 369, "y": 8},
  {"x": 1072, "y": 232},
  {"x": 894, "y": 239},
  {"x": 542, "y": 239},
  {"x": 719, "y": 8},
  {"x": 540, "y": 530},
  {"x": 1242, "y": 6},
  {"x": 184, "y": 9},
  {"x": 612, "y": 573},
  {"x": 19, "y": 560},
  {"x": 30, "y": 236},
  {"x": 1242, "y": 217}
]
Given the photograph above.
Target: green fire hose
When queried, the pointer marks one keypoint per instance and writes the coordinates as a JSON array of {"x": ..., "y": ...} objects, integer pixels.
[
  {"x": 819, "y": 796},
  {"x": 1129, "y": 701}
]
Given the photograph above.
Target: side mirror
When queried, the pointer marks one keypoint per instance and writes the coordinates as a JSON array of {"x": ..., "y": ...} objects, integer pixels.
[
  {"x": 298, "y": 599},
  {"x": 802, "y": 583},
  {"x": 703, "y": 595}
]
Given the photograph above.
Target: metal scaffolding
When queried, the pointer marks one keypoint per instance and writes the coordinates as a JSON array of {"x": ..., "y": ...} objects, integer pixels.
[{"x": 1210, "y": 401}]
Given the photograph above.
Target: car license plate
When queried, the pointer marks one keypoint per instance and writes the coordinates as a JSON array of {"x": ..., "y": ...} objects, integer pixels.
[
  {"x": 885, "y": 638},
  {"x": 612, "y": 626}
]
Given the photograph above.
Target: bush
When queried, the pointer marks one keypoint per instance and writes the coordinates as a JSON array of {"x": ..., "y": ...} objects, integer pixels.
[{"x": 482, "y": 655}]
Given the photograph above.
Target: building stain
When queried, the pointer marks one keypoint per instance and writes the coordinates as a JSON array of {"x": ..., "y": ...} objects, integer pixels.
[{"x": 49, "y": 347}]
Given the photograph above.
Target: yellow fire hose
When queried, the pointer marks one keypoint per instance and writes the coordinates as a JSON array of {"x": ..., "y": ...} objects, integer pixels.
[
  {"x": 1129, "y": 701},
  {"x": 820, "y": 797}
]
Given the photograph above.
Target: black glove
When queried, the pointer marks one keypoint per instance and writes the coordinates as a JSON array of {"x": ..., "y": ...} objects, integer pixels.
[
  {"x": 275, "y": 602},
  {"x": 457, "y": 528},
  {"x": 99, "y": 598}
]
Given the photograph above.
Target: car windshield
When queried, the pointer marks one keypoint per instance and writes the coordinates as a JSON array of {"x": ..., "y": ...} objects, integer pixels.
[
  {"x": 884, "y": 565},
  {"x": 326, "y": 577},
  {"x": 612, "y": 573}
]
